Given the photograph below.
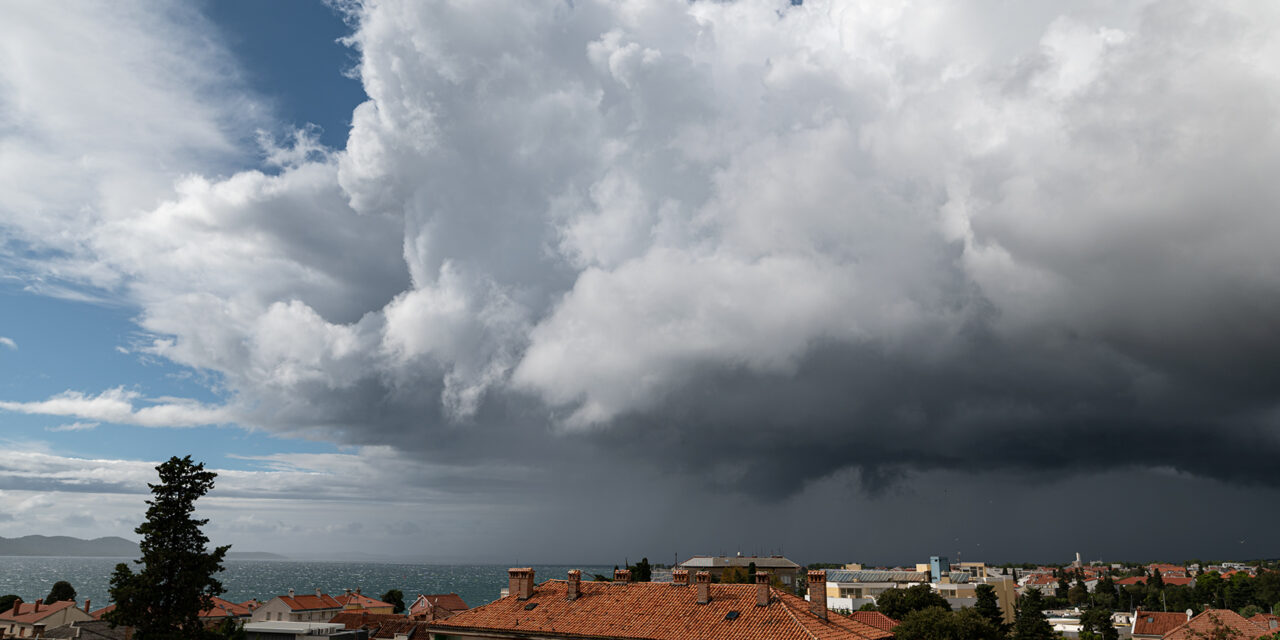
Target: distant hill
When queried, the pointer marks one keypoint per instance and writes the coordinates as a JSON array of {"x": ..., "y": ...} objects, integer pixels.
[{"x": 110, "y": 547}]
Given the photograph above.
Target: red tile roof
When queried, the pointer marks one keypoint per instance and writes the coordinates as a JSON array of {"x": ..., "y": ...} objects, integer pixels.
[
  {"x": 1206, "y": 625},
  {"x": 311, "y": 603},
  {"x": 26, "y": 611},
  {"x": 450, "y": 601},
  {"x": 436, "y": 606},
  {"x": 97, "y": 615},
  {"x": 382, "y": 625},
  {"x": 1156, "y": 623},
  {"x": 875, "y": 619},
  {"x": 225, "y": 609},
  {"x": 364, "y": 602},
  {"x": 1168, "y": 580},
  {"x": 1268, "y": 621},
  {"x": 657, "y": 611}
]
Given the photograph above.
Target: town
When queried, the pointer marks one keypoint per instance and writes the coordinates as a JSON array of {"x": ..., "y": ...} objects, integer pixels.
[{"x": 750, "y": 597}]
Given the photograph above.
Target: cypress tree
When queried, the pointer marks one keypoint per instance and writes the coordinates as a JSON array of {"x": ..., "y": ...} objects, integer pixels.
[{"x": 164, "y": 599}]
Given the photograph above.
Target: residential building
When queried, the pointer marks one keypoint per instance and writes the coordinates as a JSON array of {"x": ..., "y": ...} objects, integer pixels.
[
  {"x": 295, "y": 608},
  {"x": 938, "y": 567},
  {"x": 785, "y": 570},
  {"x": 286, "y": 630},
  {"x": 91, "y": 630},
  {"x": 1220, "y": 624},
  {"x": 1154, "y": 624},
  {"x": 26, "y": 620},
  {"x": 623, "y": 610},
  {"x": 436, "y": 606}
]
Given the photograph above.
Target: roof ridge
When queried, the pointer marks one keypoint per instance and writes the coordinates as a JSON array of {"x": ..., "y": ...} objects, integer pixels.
[{"x": 791, "y": 613}]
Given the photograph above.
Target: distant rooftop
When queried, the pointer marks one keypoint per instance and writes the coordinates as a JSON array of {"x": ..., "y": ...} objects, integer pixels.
[
  {"x": 721, "y": 562},
  {"x": 842, "y": 575}
]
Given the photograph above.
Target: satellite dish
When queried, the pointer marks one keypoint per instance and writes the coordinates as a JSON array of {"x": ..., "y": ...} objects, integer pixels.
[{"x": 1190, "y": 613}]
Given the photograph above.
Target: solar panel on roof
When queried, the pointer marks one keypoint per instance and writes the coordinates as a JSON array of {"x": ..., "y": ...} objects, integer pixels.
[{"x": 732, "y": 615}]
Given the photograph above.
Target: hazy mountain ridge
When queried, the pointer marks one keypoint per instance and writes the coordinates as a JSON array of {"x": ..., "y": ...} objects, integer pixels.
[{"x": 108, "y": 547}]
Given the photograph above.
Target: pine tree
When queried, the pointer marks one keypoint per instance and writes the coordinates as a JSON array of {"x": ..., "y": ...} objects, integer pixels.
[
  {"x": 395, "y": 598},
  {"x": 62, "y": 590},
  {"x": 164, "y": 599},
  {"x": 1030, "y": 623},
  {"x": 988, "y": 605}
]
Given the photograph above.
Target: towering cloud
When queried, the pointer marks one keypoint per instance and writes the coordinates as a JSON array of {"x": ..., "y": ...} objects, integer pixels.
[{"x": 768, "y": 241}]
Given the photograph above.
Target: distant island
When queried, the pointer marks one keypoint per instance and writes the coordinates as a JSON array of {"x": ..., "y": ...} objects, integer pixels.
[{"x": 109, "y": 547}]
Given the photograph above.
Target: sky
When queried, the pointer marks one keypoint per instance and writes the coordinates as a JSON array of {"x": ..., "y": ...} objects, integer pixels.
[{"x": 573, "y": 282}]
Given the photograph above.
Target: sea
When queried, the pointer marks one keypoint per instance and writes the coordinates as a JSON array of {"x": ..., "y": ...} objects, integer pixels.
[{"x": 32, "y": 577}]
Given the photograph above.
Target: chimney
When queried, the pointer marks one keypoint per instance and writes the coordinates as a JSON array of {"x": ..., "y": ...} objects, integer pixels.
[
  {"x": 17, "y": 606},
  {"x": 86, "y": 605},
  {"x": 680, "y": 577},
  {"x": 622, "y": 575},
  {"x": 39, "y": 601},
  {"x": 291, "y": 593},
  {"x": 357, "y": 590},
  {"x": 520, "y": 583},
  {"x": 575, "y": 584},
  {"x": 762, "y": 589},
  {"x": 318, "y": 594},
  {"x": 704, "y": 587},
  {"x": 818, "y": 593}
]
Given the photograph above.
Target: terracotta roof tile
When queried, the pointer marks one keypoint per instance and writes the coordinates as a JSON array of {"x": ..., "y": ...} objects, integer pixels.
[
  {"x": 875, "y": 619},
  {"x": 26, "y": 612},
  {"x": 365, "y": 602},
  {"x": 311, "y": 603},
  {"x": 1267, "y": 621},
  {"x": 382, "y": 625},
  {"x": 1156, "y": 623},
  {"x": 1205, "y": 625},
  {"x": 658, "y": 611},
  {"x": 450, "y": 601},
  {"x": 224, "y": 609}
]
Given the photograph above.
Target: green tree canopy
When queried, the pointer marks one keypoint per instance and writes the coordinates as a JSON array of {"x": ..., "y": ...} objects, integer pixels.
[
  {"x": 1104, "y": 594},
  {"x": 62, "y": 590},
  {"x": 897, "y": 603},
  {"x": 1078, "y": 593},
  {"x": 937, "y": 623},
  {"x": 988, "y": 606},
  {"x": 6, "y": 602},
  {"x": 641, "y": 571},
  {"x": 395, "y": 598},
  {"x": 1095, "y": 624},
  {"x": 1030, "y": 623},
  {"x": 164, "y": 599}
]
